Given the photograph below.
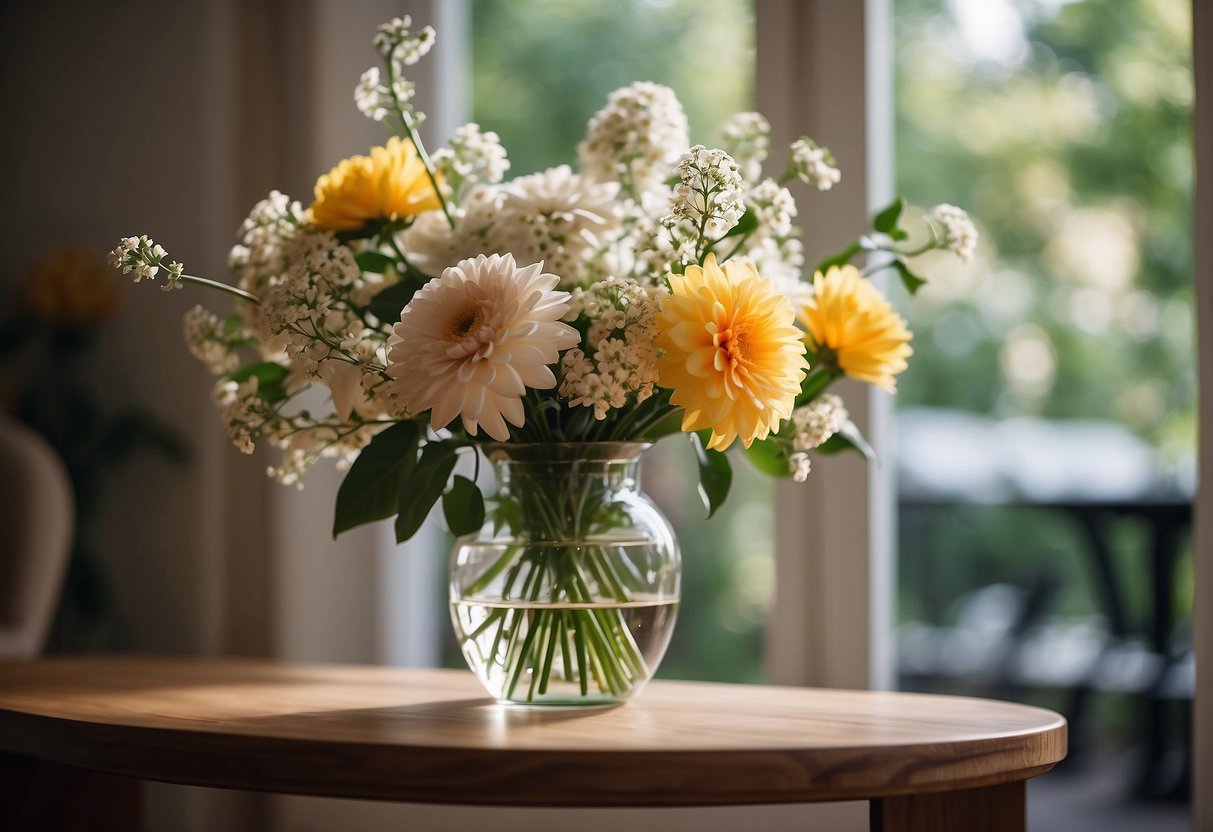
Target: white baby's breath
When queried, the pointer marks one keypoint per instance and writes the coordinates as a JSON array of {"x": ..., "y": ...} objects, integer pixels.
[
  {"x": 813, "y": 164},
  {"x": 959, "y": 235},
  {"x": 635, "y": 138}
]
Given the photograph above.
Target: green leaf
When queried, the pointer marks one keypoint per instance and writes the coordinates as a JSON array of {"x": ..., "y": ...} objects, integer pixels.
[
  {"x": 270, "y": 376},
  {"x": 911, "y": 281},
  {"x": 745, "y": 225},
  {"x": 267, "y": 372},
  {"x": 374, "y": 261},
  {"x": 715, "y": 472},
  {"x": 424, "y": 487},
  {"x": 886, "y": 220},
  {"x": 769, "y": 456},
  {"x": 463, "y": 507},
  {"x": 840, "y": 259},
  {"x": 233, "y": 323},
  {"x": 371, "y": 489},
  {"x": 390, "y": 302},
  {"x": 848, "y": 439}
]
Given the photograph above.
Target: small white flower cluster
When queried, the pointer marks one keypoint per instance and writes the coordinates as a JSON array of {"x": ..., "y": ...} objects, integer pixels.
[
  {"x": 306, "y": 442},
  {"x": 471, "y": 158},
  {"x": 635, "y": 138},
  {"x": 621, "y": 315},
  {"x": 813, "y": 164},
  {"x": 814, "y": 423},
  {"x": 246, "y": 415},
  {"x": 959, "y": 234},
  {"x": 709, "y": 193},
  {"x": 143, "y": 257},
  {"x": 310, "y": 309},
  {"x": 212, "y": 341},
  {"x": 398, "y": 44},
  {"x": 399, "y": 47},
  {"x": 773, "y": 207},
  {"x": 377, "y": 100},
  {"x": 774, "y": 246},
  {"x": 747, "y": 138},
  {"x": 266, "y": 246}
]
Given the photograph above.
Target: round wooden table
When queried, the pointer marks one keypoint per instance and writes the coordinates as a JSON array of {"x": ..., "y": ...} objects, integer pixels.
[{"x": 432, "y": 736}]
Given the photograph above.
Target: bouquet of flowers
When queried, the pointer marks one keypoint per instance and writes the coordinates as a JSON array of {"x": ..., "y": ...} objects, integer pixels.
[{"x": 657, "y": 289}]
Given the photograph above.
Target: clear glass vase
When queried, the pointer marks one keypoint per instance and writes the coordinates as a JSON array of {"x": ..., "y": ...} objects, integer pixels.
[{"x": 568, "y": 594}]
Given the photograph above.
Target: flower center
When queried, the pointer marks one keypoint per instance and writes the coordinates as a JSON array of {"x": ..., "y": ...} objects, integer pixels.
[
  {"x": 463, "y": 324},
  {"x": 733, "y": 343}
]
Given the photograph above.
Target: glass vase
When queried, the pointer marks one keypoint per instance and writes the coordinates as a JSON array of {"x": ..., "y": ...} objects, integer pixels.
[{"x": 568, "y": 594}]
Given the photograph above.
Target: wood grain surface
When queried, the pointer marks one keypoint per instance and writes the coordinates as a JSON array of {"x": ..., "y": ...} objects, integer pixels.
[{"x": 432, "y": 736}]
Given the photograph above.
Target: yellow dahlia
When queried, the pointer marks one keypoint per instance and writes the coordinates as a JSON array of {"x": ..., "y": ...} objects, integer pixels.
[
  {"x": 731, "y": 353},
  {"x": 390, "y": 184},
  {"x": 852, "y": 320}
]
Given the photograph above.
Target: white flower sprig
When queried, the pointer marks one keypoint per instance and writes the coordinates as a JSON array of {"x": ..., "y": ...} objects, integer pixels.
[
  {"x": 747, "y": 137},
  {"x": 959, "y": 234},
  {"x": 813, "y": 164},
  {"x": 635, "y": 138},
  {"x": 709, "y": 196},
  {"x": 813, "y": 424},
  {"x": 470, "y": 158},
  {"x": 143, "y": 257},
  {"x": 616, "y": 366}
]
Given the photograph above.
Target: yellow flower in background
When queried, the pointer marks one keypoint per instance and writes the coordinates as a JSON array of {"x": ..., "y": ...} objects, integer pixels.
[
  {"x": 390, "y": 184},
  {"x": 731, "y": 353},
  {"x": 71, "y": 288},
  {"x": 849, "y": 317}
]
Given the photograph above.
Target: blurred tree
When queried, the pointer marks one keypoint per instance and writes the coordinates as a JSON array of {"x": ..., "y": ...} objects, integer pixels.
[{"x": 1064, "y": 127}]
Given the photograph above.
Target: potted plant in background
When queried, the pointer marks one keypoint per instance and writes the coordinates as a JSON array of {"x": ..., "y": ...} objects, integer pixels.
[{"x": 59, "y": 309}]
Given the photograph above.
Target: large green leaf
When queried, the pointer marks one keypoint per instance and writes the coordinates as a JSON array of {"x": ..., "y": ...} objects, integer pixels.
[
  {"x": 425, "y": 485},
  {"x": 769, "y": 456},
  {"x": 463, "y": 507},
  {"x": 886, "y": 220},
  {"x": 745, "y": 225},
  {"x": 270, "y": 377},
  {"x": 715, "y": 472},
  {"x": 371, "y": 489},
  {"x": 374, "y": 261},
  {"x": 390, "y": 302}
]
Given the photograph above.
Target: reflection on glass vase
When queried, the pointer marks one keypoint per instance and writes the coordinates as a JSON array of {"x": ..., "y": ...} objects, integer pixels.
[{"x": 568, "y": 594}]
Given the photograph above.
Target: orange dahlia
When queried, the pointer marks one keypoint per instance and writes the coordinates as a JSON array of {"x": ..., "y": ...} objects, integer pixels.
[{"x": 730, "y": 352}]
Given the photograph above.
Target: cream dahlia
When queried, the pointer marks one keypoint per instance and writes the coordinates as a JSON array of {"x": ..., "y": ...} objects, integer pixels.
[
  {"x": 472, "y": 341},
  {"x": 731, "y": 353}
]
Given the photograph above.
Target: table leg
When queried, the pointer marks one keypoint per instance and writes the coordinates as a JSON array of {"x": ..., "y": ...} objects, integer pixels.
[
  {"x": 41, "y": 795},
  {"x": 1000, "y": 808}
]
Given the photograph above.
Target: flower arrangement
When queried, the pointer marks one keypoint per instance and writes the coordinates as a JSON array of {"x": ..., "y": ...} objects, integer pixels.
[{"x": 655, "y": 290}]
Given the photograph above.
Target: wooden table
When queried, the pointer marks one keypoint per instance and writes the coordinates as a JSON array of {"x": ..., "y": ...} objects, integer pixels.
[{"x": 431, "y": 736}]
